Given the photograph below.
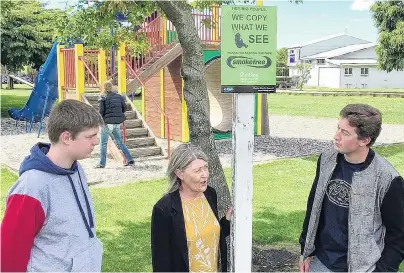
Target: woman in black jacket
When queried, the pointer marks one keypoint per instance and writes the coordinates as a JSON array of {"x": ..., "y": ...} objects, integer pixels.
[
  {"x": 112, "y": 110},
  {"x": 186, "y": 232}
]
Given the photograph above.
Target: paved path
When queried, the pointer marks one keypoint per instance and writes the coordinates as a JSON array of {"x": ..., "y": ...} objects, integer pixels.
[
  {"x": 324, "y": 129},
  {"x": 16, "y": 147}
]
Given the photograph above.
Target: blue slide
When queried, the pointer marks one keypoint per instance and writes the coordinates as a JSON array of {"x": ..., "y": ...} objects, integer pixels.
[{"x": 43, "y": 95}]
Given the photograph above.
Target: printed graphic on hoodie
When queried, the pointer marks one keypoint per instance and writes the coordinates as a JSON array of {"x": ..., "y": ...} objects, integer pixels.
[{"x": 338, "y": 192}]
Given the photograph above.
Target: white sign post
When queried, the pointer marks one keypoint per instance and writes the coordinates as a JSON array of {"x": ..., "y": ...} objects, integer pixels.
[
  {"x": 248, "y": 66},
  {"x": 242, "y": 185}
]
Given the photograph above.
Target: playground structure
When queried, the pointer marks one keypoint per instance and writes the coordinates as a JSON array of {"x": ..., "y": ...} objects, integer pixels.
[
  {"x": 158, "y": 73},
  {"x": 43, "y": 95},
  {"x": 81, "y": 72}
]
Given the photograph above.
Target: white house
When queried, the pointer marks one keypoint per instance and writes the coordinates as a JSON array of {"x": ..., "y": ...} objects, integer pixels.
[{"x": 343, "y": 61}]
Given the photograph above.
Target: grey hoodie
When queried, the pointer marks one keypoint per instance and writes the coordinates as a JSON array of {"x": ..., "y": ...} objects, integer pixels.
[{"x": 49, "y": 221}]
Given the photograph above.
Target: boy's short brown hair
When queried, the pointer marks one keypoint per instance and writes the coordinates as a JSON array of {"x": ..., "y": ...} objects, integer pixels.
[
  {"x": 72, "y": 116},
  {"x": 366, "y": 119}
]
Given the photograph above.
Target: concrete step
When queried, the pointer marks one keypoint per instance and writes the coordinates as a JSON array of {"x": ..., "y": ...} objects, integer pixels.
[
  {"x": 140, "y": 142},
  {"x": 130, "y": 115},
  {"x": 97, "y": 107},
  {"x": 133, "y": 123},
  {"x": 145, "y": 151},
  {"x": 136, "y": 132},
  {"x": 94, "y": 101},
  {"x": 92, "y": 97}
]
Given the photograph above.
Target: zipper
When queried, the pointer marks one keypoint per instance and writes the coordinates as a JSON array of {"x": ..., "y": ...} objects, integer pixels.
[
  {"x": 349, "y": 220},
  {"x": 305, "y": 255}
]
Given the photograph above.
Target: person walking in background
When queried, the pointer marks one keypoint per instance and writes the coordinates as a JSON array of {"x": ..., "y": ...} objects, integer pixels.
[
  {"x": 355, "y": 210},
  {"x": 112, "y": 110}
]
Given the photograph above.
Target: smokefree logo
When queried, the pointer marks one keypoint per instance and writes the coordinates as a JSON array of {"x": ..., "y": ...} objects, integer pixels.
[{"x": 240, "y": 61}]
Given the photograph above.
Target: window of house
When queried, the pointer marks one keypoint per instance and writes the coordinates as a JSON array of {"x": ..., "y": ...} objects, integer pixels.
[
  {"x": 348, "y": 71},
  {"x": 321, "y": 61},
  {"x": 292, "y": 57},
  {"x": 364, "y": 71}
]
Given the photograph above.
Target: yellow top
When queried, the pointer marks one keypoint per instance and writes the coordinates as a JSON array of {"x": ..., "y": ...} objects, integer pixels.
[{"x": 203, "y": 234}]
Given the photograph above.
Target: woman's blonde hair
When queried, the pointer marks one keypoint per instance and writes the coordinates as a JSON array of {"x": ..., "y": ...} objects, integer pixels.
[
  {"x": 108, "y": 86},
  {"x": 180, "y": 158}
]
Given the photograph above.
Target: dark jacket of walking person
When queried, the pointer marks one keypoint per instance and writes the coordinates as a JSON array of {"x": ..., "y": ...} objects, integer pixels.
[{"x": 112, "y": 110}]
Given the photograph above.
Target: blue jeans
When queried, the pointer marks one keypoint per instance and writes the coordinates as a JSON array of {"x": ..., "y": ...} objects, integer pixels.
[
  {"x": 317, "y": 266},
  {"x": 115, "y": 131}
]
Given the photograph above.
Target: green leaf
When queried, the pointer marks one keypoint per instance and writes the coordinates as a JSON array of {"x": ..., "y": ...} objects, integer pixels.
[{"x": 389, "y": 19}]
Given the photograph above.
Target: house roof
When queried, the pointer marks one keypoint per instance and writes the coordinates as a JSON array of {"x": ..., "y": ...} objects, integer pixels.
[
  {"x": 322, "y": 39},
  {"x": 352, "y": 61},
  {"x": 339, "y": 51}
]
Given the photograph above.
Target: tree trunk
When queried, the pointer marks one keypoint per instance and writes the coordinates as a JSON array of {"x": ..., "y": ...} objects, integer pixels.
[
  {"x": 33, "y": 75},
  {"x": 265, "y": 119},
  {"x": 10, "y": 83},
  {"x": 196, "y": 94}
]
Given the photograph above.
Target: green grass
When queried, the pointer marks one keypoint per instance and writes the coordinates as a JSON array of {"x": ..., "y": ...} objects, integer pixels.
[
  {"x": 138, "y": 103},
  {"x": 123, "y": 212},
  {"x": 328, "y": 89},
  {"x": 329, "y": 106},
  {"x": 281, "y": 104},
  {"x": 123, "y": 217},
  {"x": 15, "y": 98},
  {"x": 7, "y": 180}
]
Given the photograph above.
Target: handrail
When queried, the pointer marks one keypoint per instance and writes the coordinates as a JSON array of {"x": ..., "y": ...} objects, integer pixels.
[
  {"x": 159, "y": 106},
  {"x": 151, "y": 54},
  {"x": 91, "y": 51},
  {"x": 91, "y": 73},
  {"x": 144, "y": 25},
  {"x": 112, "y": 76},
  {"x": 124, "y": 132},
  {"x": 153, "y": 28}
]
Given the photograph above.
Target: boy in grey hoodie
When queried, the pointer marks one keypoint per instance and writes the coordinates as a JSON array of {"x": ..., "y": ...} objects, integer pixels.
[{"x": 49, "y": 222}]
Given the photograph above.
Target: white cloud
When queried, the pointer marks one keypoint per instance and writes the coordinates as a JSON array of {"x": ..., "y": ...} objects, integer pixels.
[
  {"x": 59, "y": 4},
  {"x": 361, "y": 4},
  {"x": 359, "y": 20}
]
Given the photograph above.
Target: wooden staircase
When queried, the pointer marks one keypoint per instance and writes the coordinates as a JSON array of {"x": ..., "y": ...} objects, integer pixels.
[
  {"x": 140, "y": 140},
  {"x": 153, "y": 65}
]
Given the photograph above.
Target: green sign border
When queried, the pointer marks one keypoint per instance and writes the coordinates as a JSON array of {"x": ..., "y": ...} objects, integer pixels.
[{"x": 248, "y": 49}]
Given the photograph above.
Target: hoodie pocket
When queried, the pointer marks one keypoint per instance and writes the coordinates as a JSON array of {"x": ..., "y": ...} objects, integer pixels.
[{"x": 90, "y": 259}]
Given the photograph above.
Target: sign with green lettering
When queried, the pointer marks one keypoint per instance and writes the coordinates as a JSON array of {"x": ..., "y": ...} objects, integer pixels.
[{"x": 248, "y": 48}]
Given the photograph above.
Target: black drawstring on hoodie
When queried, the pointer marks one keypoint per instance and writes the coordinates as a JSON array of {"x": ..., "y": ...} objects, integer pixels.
[
  {"x": 87, "y": 203},
  {"x": 90, "y": 216}
]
